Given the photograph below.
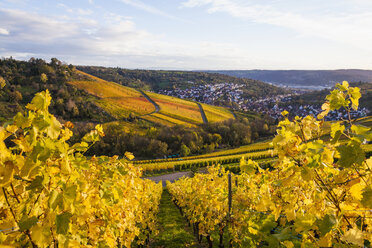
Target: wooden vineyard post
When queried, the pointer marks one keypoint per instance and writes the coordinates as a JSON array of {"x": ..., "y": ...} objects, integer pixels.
[
  {"x": 230, "y": 201},
  {"x": 230, "y": 193}
]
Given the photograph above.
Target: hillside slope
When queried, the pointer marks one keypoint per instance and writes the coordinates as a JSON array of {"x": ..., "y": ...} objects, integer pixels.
[
  {"x": 118, "y": 100},
  {"x": 216, "y": 114},
  {"x": 157, "y": 80},
  {"x": 175, "y": 110},
  {"x": 123, "y": 102},
  {"x": 21, "y": 80},
  {"x": 81, "y": 97}
]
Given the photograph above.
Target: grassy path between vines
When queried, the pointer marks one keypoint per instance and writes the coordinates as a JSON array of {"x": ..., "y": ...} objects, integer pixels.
[{"x": 173, "y": 229}]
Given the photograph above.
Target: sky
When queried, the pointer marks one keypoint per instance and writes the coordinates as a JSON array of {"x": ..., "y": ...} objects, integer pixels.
[{"x": 191, "y": 34}]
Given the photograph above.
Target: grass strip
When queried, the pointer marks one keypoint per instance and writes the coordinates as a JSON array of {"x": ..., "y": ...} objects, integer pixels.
[{"x": 173, "y": 229}]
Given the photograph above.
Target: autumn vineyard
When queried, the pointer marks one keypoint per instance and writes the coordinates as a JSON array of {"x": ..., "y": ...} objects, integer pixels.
[{"x": 310, "y": 186}]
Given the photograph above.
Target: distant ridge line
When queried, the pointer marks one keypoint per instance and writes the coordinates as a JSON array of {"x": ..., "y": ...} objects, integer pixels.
[{"x": 322, "y": 78}]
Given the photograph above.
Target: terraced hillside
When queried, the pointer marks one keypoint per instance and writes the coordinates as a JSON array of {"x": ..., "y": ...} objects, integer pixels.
[
  {"x": 175, "y": 111},
  {"x": 120, "y": 101},
  {"x": 116, "y": 99},
  {"x": 216, "y": 114}
]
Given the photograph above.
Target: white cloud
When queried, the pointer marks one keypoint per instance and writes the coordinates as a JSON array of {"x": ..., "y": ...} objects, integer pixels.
[
  {"x": 119, "y": 36},
  {"x": 4, "y": 31},
  {"x": 362, "y": 3},
  {"x": 143, "y": 6},
  {"x": 33, "y": 33},
  {"x": 196, "y": 3},
  {"x": 148, "y": 8},
  {"x": 352, "y": 28},
  {"x": 35, "y": 28},
  {"x": 84, "y": 11},
  {"x": 75, "y": 11},
  {"x": 114, "y": 41}
]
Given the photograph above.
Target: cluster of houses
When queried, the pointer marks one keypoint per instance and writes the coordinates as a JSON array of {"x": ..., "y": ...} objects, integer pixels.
[
  {"x": 271, "y": 107},
  {"x": 232, "y": 93},
  {"x": 209, "y": 93}
]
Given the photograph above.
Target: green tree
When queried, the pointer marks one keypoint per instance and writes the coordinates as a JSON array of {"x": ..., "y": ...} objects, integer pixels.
[
  {"x": 152, "y": 132},
  {"x": 15, "y": 96},
  {"x": 2, "y": 82},
  {"x": 184, "y": 150},
  {"x": 43, "y": 78},
  {"x": 217, "y": 138},
  {"x": 265, "y": 127}
]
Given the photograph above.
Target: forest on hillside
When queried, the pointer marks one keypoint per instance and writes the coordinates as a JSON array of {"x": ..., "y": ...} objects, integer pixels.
[{"x": 20, "y": 80}]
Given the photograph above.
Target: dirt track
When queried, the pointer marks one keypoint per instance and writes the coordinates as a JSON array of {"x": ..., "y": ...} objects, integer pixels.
[
  {"x": 170, "y": 177},
  {"x": 157, "y": 107},
  {"x": 205, "y": 120}
]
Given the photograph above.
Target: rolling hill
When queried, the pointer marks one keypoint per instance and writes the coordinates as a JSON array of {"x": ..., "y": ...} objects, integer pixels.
[
  {"x": 216, "y": 114},
  {"x": 311, "y": 79},
  {"x": 157, "y": 80},
  {"x": 23, "y": 79},
  {"x": 118, "y": 100},
  {"x": 175, "y": 110},
  {"x": 81, "y": 97},
  {"x": 123, "y": 102}
]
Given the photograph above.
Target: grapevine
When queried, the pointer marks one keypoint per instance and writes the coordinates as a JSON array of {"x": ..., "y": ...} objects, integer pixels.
[
  {"x": 54, "y": 196},
  {"x": 318, "y": 193}
]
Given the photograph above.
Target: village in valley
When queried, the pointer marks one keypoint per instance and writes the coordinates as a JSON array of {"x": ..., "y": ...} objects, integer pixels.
[{"x": 233, "y": 94}]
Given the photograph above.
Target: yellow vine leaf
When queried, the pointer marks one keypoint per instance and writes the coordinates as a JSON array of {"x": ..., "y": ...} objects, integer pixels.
[
  {"x": 288, "y": 244},
  {"x": 356, "y": 191},
  {"x": 129, "y": 155},
  {"x": 354, "y": 236},
  {"x": 325, "y": 241}
]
